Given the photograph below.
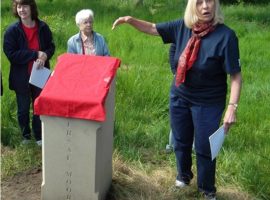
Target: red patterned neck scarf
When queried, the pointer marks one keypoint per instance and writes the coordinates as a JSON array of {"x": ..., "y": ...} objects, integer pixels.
[{"x": 189, "y": 55}]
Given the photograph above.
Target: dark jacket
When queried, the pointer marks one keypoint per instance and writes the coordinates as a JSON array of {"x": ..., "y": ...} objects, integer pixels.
[{"x": 19, "y": 55}]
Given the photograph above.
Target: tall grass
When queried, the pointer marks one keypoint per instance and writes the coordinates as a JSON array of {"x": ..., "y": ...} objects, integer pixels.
[{"x": 142, "y": 126}]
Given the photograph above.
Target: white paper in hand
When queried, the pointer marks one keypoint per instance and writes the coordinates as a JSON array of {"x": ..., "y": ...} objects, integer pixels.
[
  {"x": 216, "y": 140},
  {"x": 40, "y": 76}
]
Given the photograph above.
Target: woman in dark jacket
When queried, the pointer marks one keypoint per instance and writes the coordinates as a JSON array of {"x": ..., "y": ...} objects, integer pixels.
[{"x": 25, "y": 41}]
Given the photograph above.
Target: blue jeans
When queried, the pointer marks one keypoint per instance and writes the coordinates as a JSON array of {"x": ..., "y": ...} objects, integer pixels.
[
  {"x": 188, "y": 122},
  {"x": 23, "y": 112}
]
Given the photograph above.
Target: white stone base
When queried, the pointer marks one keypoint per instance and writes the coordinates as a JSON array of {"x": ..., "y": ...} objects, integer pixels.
[{"x": 77, "y": 156}]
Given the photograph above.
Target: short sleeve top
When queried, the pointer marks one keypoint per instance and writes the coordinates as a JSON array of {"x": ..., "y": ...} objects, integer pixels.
[{"x": 206, "y": 81}]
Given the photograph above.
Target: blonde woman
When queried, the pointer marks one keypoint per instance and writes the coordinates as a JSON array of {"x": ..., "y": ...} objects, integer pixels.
[{"x": 206, "y": 53}]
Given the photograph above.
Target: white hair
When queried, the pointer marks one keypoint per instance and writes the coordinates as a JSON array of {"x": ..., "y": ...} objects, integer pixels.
[{"x": 83, "y": 15}]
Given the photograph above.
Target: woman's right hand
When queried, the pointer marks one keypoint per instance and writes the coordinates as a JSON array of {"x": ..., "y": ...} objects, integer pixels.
[{"x": 121, "y": 20}]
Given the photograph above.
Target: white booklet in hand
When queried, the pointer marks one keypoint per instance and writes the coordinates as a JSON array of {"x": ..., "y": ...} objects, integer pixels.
[
  {"x": 39, "y": 76},
  {"x": 216, "y": 140}
]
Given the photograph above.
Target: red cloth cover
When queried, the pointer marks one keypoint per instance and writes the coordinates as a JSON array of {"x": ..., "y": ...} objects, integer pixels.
[{"x": 78, "y": 87}]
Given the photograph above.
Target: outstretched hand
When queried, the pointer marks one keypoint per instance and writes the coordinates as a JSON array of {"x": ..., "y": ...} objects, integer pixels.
[{"x": 120, "y": 20}]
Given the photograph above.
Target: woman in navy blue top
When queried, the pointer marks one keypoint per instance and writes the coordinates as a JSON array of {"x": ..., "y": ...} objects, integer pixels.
[
  {"x": 25, "y": 41},
  {"x": 206, "y": 52}
]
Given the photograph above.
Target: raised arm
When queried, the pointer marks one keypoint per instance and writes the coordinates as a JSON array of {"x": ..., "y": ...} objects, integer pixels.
[
  {"x": 230, "y": 115},
  {"x": 143, "y": 26}
]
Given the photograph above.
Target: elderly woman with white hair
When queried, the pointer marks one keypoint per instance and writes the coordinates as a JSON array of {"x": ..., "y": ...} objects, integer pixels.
[{"x": 87, "y": 42}]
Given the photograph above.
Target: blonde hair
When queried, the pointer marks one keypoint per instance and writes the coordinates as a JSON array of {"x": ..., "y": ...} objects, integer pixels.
[
  {"x": 191, "y": 17},
  {"x": 84, "y": 14}
]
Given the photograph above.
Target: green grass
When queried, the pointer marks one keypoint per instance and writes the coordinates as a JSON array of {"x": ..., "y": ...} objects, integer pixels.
[
  {"x": 141, "y": 126},
  {"x": 20, "y": 158}
]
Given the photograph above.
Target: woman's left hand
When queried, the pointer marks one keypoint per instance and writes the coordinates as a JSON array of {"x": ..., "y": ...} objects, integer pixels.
[
  {"x": 42, "y": 57},
  {"x": 230, "y": 115},
  {"x": 229, "y": 118}
]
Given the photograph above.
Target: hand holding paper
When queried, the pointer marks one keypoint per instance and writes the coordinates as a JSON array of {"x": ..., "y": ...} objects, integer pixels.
[
  {"x": 42, "y": 57},
  {"x": 39, "y": 76}
]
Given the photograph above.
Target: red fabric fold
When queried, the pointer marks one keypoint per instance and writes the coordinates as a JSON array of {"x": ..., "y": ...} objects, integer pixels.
[{"x": 78, "y": 87}]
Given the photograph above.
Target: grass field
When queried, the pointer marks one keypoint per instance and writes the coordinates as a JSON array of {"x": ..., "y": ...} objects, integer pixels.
[{"x": 142, "y": 126}]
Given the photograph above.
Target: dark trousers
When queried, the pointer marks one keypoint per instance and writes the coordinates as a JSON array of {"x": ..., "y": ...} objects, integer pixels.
[
  {"x": 23, "y": 111},
  {"x": 188, "y": 122}
]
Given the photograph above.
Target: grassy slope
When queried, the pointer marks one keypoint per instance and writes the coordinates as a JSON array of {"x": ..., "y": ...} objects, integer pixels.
[{"x": 141, "y": 127}]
